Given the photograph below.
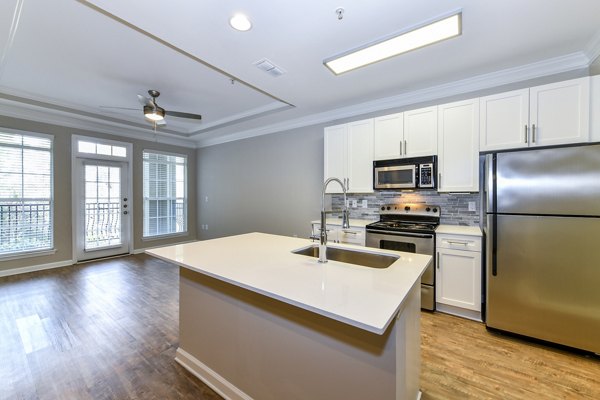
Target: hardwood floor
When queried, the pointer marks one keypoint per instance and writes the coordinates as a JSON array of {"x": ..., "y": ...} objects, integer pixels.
[{"x": 109, "y": 330}]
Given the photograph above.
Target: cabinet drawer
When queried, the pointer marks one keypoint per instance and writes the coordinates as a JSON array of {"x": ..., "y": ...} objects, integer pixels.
[
  {"x": 352, "y": 236},
  {"x": 458, "y": 242}
]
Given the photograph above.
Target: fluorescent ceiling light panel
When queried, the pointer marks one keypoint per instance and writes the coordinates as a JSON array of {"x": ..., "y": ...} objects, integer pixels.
[{"x": 434, "y": 32}]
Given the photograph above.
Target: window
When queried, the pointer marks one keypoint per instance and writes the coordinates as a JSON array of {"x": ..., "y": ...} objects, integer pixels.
[
  {"x": 101, "y": 149},
  {"x": 165, "y": 194},
  {"x": 26, "y": 206}
]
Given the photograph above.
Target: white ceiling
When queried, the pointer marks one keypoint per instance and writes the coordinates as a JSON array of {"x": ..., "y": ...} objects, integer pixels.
[{"x": 63, "y": 60}]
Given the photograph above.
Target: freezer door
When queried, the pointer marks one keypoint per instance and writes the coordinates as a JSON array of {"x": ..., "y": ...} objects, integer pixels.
[
  {"x": 547, "y": 279},
  {"x": 561, "y": 181}
]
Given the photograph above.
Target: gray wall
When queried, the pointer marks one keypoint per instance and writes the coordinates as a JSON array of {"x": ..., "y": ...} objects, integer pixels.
[
  {"x": 268, "y": 184},
  {"x": 62, "y": 189}
]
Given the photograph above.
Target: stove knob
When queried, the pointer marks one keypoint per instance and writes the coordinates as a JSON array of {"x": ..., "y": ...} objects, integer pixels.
[
  {"x": 428, "y": 209},
  {"x": 407, "y": 208},
  {"x": 382, "y": 208},
  {"x": 435, "y": 210},
  {"x": 388, "y": 208}
]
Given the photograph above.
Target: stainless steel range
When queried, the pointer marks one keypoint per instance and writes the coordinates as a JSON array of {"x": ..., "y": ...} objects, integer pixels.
[{"x": 409, "y": 228}]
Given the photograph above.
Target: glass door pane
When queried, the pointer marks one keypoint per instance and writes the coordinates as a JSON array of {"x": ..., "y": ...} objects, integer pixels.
[{"x": 103, "y": 206}]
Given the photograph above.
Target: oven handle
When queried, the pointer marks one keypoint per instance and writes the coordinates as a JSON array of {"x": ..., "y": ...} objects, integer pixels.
[{"x": 418, "y": 235}]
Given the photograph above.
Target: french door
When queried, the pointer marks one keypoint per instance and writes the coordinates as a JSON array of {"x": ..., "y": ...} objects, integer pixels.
[{"x": 103, "y": 216}]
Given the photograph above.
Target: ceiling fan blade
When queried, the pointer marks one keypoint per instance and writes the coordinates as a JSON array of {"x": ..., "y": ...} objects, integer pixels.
[
  {"x": 183, "y": 115},
  {"x": 121, "y": 108},
  {"x": 144, "y": 100}
]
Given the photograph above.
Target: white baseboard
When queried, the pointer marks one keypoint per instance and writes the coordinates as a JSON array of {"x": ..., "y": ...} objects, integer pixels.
[
  {"x": 459, "y": 312},
  {"x": 33, "y": 268},
  {"x": 143, "y": 249},
  {"x": 215, "y": 381}
]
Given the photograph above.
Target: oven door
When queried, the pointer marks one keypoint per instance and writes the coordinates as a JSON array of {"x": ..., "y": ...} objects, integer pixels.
[
  {"x": 395, "y": 177},
  {"x": 412, "y": 243},
  {"x": 419, "y": 243}
]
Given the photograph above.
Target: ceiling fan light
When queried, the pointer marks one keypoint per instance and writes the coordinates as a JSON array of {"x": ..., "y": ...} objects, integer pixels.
[{"x": 154, "y": 114}]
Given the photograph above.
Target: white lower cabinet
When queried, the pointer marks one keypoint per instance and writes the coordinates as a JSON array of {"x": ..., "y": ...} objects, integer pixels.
[
  {"x": 336, "y": 234},
  {"x": 458, "y": 275}
]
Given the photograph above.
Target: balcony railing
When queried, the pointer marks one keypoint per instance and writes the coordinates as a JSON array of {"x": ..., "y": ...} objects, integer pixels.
[
  {"x": 25, "y": 225},
  {"x": 102, "y": 225}
]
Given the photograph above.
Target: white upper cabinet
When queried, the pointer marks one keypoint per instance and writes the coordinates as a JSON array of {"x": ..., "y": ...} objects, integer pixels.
[
  {"x": 349, "y": 156},
  {"x": 409, "y": 134},
  {"x": 560, "y": 112},
  {"x": 421, "y": 132},
  {"x": 504, "y": 120},
  {"x": 553, "y": 114},
  {"x": 360, "y": 156},
  {"x": 595, "y": 109},
  {"x": 388, "y": 137},
  {"x": 458, "y": 146}
]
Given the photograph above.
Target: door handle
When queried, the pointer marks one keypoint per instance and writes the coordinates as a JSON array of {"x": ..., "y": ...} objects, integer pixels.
[
  {"x": 526, "y": 138},
  {"x": 440, "y": 180},
  {"x": 401, "y": 147},
  {"x": 533, "y": 133},
  {"x": 125, "y": 212},
  {"x": 405, "y": 148},
  {"x": 437, "y": 261}
]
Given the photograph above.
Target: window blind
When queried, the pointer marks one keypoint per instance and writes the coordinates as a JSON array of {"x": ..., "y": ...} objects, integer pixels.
[
  {"x": 165, "y": 194},
  {"x": 26, "y": 207}
]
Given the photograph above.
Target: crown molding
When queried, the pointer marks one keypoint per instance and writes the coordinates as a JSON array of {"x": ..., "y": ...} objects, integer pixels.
[
  {"x": 552, "y": 66},
  {"x": 592, "y": 50},
  {"x": 61, "y": 118}
]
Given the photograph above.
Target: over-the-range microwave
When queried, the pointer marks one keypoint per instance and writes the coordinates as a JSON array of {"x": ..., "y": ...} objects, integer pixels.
[{"x": 405, "y": 173}]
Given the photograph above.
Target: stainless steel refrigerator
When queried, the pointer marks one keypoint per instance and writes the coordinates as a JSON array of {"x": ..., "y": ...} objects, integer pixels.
[{"x": 543, "y": 244}]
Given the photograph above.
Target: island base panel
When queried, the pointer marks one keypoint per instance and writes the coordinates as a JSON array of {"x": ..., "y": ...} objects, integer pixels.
[{"x": 248, "y": 346}]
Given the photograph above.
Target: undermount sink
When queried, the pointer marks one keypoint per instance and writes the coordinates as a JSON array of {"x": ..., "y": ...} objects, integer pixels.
[{"x": 363, "y": 258}]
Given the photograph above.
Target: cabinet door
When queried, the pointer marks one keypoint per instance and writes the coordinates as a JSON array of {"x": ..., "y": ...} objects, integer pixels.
[
  {"x": 420, "y": 132},
  {"x": 504, "y": 121},
  {"x": 458, "y": 147},
  {"x": 458, "y": 279},
  {"x": 360, "y": 156},
  {"x": 335, "y": 155},
  {"x": 560, "y": 112},
  {"x": 595, "y": 109},
  {"x": 388, "y": 136}
]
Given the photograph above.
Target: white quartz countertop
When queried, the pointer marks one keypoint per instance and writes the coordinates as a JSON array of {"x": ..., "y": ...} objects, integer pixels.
[
  {"x": 367, "y": 298},
  {"x": 354, "y": 223},
  {"x": 459, "y": 230}
]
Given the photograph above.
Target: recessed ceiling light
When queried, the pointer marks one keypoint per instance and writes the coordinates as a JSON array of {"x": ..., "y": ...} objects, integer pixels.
[
  {"x": 240, "y": 22},
  {"x": 403, "y": 42}
]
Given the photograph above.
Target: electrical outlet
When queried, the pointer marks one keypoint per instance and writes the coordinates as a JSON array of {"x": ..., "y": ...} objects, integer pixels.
[
  {"x": 365, "y": 204},
  {"x": 472, "y": 206},
  {"x": 354, "y": 203}
]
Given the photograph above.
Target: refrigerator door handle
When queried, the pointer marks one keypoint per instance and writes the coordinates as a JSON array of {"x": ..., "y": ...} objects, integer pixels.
[{"x": 494, "y": 239}]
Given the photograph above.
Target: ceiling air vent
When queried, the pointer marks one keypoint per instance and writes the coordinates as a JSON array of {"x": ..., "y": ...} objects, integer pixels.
[{"x": 269, "y": 67}]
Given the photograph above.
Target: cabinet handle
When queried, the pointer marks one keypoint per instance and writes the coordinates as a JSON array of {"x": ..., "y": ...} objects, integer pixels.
[
  {"x": 454, "y": 242},
  {"x": 437, "y": 261},
  {"x": 405, "y": 148},
  {"x": 440, "y": 180},
  {"x": 350, "y": 233},
  {"x": 533, "y": 133},
  {"x": 401, "y": 147},
  {"x": 526, "y": 134}
]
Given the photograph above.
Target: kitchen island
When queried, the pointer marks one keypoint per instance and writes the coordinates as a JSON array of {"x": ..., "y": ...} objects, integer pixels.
[{"x": 260, "y": 322}]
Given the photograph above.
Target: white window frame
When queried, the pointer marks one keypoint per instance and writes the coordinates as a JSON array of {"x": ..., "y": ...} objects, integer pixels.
[
  {"x": 50, "y": 250},
  {"x": 185, "y": 203}
]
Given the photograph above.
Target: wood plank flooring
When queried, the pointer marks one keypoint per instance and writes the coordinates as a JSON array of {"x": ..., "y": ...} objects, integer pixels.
[{"x": 109, "y": 330}]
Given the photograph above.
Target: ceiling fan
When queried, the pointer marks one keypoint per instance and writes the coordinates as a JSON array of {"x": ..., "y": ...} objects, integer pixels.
[{"x": 155, "y": 113}]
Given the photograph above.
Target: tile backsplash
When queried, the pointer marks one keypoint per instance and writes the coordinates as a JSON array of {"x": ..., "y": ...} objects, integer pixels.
[{"x": 454, "y": 206}]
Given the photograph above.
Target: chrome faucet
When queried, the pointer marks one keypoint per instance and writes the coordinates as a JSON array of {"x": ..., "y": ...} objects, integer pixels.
[{"x": 345, "y": 219}]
